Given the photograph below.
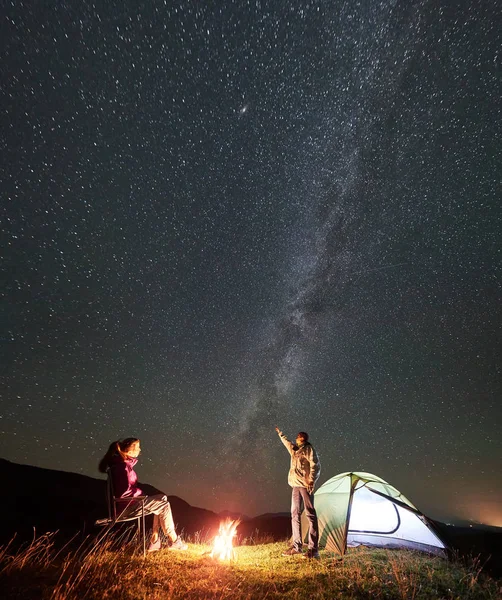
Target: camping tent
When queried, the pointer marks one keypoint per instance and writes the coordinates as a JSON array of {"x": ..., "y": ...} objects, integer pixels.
[{"x": 360, "y": 508}]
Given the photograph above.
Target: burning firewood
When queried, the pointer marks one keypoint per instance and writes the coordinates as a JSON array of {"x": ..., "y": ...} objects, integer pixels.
[{"x": 223, "y": 543}]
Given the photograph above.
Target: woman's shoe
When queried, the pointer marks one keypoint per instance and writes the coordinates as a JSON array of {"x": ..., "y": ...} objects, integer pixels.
[
  {"x": 154, "y": 546},
  {"x": 179, "y": 544}
]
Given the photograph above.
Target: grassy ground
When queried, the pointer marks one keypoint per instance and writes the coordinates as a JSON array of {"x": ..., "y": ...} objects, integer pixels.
[{"x": 115, "y": 570}]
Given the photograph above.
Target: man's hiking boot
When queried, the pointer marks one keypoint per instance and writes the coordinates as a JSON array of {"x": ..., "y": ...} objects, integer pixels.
[
  {"x": 292, "y": 552},
  {"x": 311, "y": 554}
]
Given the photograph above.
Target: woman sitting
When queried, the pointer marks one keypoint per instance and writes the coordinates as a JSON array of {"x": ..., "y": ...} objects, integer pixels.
[{"x": 119, "y": 462}]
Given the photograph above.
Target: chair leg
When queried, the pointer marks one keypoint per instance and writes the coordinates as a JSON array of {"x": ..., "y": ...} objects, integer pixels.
[
  {"x": 140, "y": 534},
  {"x": 144, "y": 529}
]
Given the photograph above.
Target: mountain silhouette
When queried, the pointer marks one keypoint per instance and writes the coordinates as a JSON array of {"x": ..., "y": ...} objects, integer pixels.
[{"x": 39, "y": 500}]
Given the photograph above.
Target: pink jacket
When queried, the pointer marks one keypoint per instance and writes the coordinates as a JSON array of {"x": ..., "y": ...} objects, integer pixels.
[{"x": 124, "y": 478}]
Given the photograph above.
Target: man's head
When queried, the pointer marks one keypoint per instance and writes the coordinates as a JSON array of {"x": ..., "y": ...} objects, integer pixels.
[{"x": 302, "y": 438}]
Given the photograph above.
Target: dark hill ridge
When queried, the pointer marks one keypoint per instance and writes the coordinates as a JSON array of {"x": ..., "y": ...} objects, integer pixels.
[{"x": 50, "y": 500}]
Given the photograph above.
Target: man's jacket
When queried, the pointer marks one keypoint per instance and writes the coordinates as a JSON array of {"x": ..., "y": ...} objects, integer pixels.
[{"x": 305, "y": 464}]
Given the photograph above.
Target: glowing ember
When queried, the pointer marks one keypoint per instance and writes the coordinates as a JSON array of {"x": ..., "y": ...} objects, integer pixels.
[{"x": 223, "y": 542}]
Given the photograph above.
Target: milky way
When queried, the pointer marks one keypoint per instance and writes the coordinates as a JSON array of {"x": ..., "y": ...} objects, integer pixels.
[{"x": 219, "y": 219}]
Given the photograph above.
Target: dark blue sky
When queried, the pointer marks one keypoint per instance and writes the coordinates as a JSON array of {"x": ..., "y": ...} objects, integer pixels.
[{"x": 218, "y": 219}]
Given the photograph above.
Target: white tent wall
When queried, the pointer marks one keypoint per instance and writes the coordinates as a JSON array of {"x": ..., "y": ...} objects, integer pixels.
[{"x": 375, "y": 520}]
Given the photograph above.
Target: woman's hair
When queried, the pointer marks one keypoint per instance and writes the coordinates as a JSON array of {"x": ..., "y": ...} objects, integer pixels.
[{"x": 118, "y": 448}]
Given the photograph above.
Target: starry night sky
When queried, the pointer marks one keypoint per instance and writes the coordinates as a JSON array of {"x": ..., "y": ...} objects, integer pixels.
[{"x": 221, "y": 217}]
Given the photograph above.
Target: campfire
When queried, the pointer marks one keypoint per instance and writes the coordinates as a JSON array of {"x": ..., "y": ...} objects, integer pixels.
[{"x": 223, "y": 543}]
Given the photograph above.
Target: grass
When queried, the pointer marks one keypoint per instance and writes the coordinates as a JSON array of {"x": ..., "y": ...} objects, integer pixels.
[{"x": 116, "y": 570}]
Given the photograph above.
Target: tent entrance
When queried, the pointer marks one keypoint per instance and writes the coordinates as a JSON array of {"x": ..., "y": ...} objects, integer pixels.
[{"x": 371, "y": 513}]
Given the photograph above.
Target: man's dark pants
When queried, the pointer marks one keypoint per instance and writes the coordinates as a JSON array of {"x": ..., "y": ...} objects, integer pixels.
[{"x": 299, "y": 497}]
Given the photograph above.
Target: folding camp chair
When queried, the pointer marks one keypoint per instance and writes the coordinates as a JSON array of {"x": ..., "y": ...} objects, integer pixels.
[{"x": 117, "y": 508}]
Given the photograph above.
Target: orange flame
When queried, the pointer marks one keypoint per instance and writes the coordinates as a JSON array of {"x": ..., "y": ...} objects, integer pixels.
[{"x": 223, "y": 543}]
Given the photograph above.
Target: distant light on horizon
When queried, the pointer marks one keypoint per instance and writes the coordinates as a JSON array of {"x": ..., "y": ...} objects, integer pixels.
[{"x": 481, "y": 512}]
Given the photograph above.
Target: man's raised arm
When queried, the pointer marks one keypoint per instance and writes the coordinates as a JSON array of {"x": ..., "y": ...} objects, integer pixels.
[{"x": 289, "y": 445}]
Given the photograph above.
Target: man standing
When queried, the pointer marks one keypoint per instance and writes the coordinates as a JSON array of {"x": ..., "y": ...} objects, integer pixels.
[{"x": 303, "y": 474}]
